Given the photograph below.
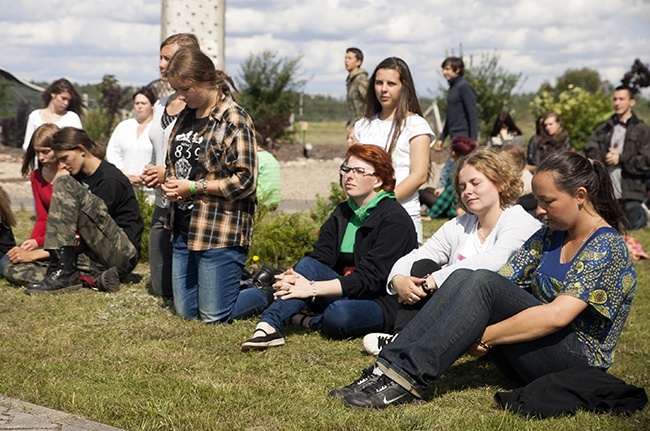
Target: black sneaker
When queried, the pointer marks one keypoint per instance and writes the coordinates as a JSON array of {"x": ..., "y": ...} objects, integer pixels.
[
  {"x": 380, "y": 394},
  {"x": 264, "y": 341},
  {"x": 367, "y": 378}
]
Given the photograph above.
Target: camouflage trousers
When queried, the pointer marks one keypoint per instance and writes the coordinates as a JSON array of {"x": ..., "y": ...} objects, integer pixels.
[{"x": 103, "y": 243}]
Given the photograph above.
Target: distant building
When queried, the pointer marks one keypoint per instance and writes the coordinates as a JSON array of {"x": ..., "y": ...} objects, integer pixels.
[{"x": 18, "y": 92}]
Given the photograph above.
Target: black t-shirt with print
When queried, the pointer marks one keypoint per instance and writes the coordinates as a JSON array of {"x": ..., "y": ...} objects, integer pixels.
[{"x": 184, "y": 155}]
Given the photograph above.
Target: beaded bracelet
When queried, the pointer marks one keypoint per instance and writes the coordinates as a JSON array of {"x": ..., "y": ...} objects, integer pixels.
[
  {"x": 312, "y": 283},
  {"x": 483, "y": 344}
]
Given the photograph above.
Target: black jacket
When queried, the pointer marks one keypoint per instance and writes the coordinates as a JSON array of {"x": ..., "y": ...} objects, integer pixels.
[
  {"x": 387, "y": 235},
  {"x": 635, "y": 160},
  {"x": 462, "y": 113}
]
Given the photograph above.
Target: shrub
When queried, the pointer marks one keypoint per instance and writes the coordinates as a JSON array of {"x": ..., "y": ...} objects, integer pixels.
[
  {"x": 324, "y": 207},
  {"x": 146, "y": 211},
  {"x": 580, "y": 110}
]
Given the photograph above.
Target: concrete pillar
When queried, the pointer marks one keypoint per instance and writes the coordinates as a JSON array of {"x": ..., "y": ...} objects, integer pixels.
[{"x": 205, "y": 18}]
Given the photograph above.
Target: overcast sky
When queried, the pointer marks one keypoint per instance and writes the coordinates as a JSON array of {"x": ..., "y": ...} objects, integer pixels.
[{"x": 83, "y": 40}]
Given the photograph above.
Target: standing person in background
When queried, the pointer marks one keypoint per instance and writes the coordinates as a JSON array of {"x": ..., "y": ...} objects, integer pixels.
[
  {"x": 165, "y": 112},
  {"x": 41, "y": 178},
  {"x": 211, "y": 178},
  {"x": 532, "y": 151},
  {"x": 356, "y": 84},
  {"x": 393, "y": 120},
  {"x": 129, "y": 148},
  {"x": 623, "y": 144},
  {"x": 61, "y": 105},
  {"x": 505, "y": 132},
  {"x": 462, "y": 114}
]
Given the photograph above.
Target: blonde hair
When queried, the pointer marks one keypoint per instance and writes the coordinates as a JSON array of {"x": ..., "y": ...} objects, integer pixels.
[{"x": 496, "y": 169}]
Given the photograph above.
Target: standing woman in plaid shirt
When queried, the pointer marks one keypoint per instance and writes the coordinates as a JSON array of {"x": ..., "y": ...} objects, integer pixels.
[{"x": 210, "y": 180}]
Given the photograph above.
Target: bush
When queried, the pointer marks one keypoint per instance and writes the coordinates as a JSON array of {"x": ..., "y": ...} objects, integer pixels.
[
  {"x": 580, "y": 110},
  {"x": 282, "y": 239},
  {"x": 146, "y": 211},
  {"x": 324, "y": 207}
]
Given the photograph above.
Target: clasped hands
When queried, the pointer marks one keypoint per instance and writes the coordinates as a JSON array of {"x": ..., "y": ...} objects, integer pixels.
[
  {"x": 175, "y": 189},
  {"x": 290, "y": 284},
  {"x": 410, "y": 290}
]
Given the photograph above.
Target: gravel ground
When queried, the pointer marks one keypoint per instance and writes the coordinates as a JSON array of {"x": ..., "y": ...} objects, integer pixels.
[{"x": 302, "y": 178}]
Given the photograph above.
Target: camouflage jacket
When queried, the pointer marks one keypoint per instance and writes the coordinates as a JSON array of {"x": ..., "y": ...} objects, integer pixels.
[{"x": 357, "y": 86}]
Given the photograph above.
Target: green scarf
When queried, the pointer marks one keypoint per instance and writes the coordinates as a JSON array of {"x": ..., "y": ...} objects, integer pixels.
[{"x": 359, "y": 218}]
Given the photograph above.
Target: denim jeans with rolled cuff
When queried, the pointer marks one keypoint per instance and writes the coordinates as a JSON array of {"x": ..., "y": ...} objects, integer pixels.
[
  {"x": 456, "y": 316},
  {"x": 340, "y": 317}
]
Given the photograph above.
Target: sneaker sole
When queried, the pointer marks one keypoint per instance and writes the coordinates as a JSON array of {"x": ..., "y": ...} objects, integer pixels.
[
  {"x": 109, "y": 280},
  {"x": 54, "y": 292},
  {"x": 251, "y": 345}
]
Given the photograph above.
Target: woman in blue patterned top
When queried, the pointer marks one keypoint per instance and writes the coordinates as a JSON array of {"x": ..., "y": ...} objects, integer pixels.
[{"x": 560, "y": 301}]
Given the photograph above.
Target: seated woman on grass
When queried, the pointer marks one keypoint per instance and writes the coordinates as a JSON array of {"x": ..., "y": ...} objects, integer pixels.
[
  {"x": 41, "y": 179},
  {"x": 485, "y": 237},
  {"x": 344, "y": 277},
  {"x": 94, "y": 211},
  {"x": 560, "y": 302}
]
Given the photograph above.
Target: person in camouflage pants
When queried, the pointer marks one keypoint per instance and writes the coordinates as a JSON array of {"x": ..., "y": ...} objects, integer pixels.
[
  {"x": 103, "y": 243},
  {"x": 94, "y": 211}
]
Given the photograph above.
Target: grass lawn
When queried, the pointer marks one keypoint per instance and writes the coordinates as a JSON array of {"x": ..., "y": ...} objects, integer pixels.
[{"x": 126, "y": 360}]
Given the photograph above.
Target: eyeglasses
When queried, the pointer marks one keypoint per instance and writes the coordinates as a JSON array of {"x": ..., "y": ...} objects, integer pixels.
[{"x": 358, "y": 172}]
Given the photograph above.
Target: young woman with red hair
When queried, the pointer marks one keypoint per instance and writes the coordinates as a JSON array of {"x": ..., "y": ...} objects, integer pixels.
[{"x": 343, "y": 278}]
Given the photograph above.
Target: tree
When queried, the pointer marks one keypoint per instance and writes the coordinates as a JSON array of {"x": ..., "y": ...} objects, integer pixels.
[
  {"x": 112, "y": 99},
  {"x": 585, "y": 78},
  {"x": 638, "y": 77},
  {"x": 269, "y": 90},
  {"x": 493, "y": 85},
  {"x": 581, "y": 111}
]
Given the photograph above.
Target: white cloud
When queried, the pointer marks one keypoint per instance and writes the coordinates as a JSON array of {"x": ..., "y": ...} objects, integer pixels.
[{"x": 83, "y": 40}]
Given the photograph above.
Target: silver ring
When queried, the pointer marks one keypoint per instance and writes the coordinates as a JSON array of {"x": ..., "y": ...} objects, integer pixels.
[{"x": 414, "y": 297}]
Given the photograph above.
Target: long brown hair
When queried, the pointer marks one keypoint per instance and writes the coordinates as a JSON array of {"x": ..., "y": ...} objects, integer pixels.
[
  {"x": 191, "y": 65},
  {"x": 7, "y": 218},
  {"x": 42, "y": 137},
  {"x": 59, "y": 86},
  {"x": 407, "y": 103}
]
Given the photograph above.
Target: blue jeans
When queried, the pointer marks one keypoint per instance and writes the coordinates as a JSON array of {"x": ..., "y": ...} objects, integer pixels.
[
  {"x": 160, "y": 254},
  {"x": 456, "y": 316},
  {"x": 341, "y": 317},
  {"x": 206, "y": 284}
]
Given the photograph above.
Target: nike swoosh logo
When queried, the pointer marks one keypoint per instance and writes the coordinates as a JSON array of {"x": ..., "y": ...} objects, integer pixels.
[{"x": 386, "y": 402}]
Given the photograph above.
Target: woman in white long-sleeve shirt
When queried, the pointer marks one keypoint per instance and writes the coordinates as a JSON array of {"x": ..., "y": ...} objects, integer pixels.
[
  {"x": 483, "y": 238},
  {"x": 129, "y": 148}
]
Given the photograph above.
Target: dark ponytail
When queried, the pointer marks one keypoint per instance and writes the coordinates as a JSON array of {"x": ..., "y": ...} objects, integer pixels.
[{"x": 571, "y": 171}]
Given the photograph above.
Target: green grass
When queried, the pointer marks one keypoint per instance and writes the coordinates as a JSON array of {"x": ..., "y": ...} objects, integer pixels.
[
  {"x": 126, "y": 360},
  {"x": 323, "y": 132}
]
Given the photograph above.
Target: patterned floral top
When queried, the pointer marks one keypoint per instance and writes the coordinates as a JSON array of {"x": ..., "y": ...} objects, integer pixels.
[{"x": 601, "y": 274}]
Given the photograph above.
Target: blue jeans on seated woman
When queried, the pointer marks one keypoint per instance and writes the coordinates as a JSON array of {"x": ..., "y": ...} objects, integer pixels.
[
  {"x": 206, "y": 284},
  {"x": 456, "y": 316},
  {"x": 341, "y": 317}
]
